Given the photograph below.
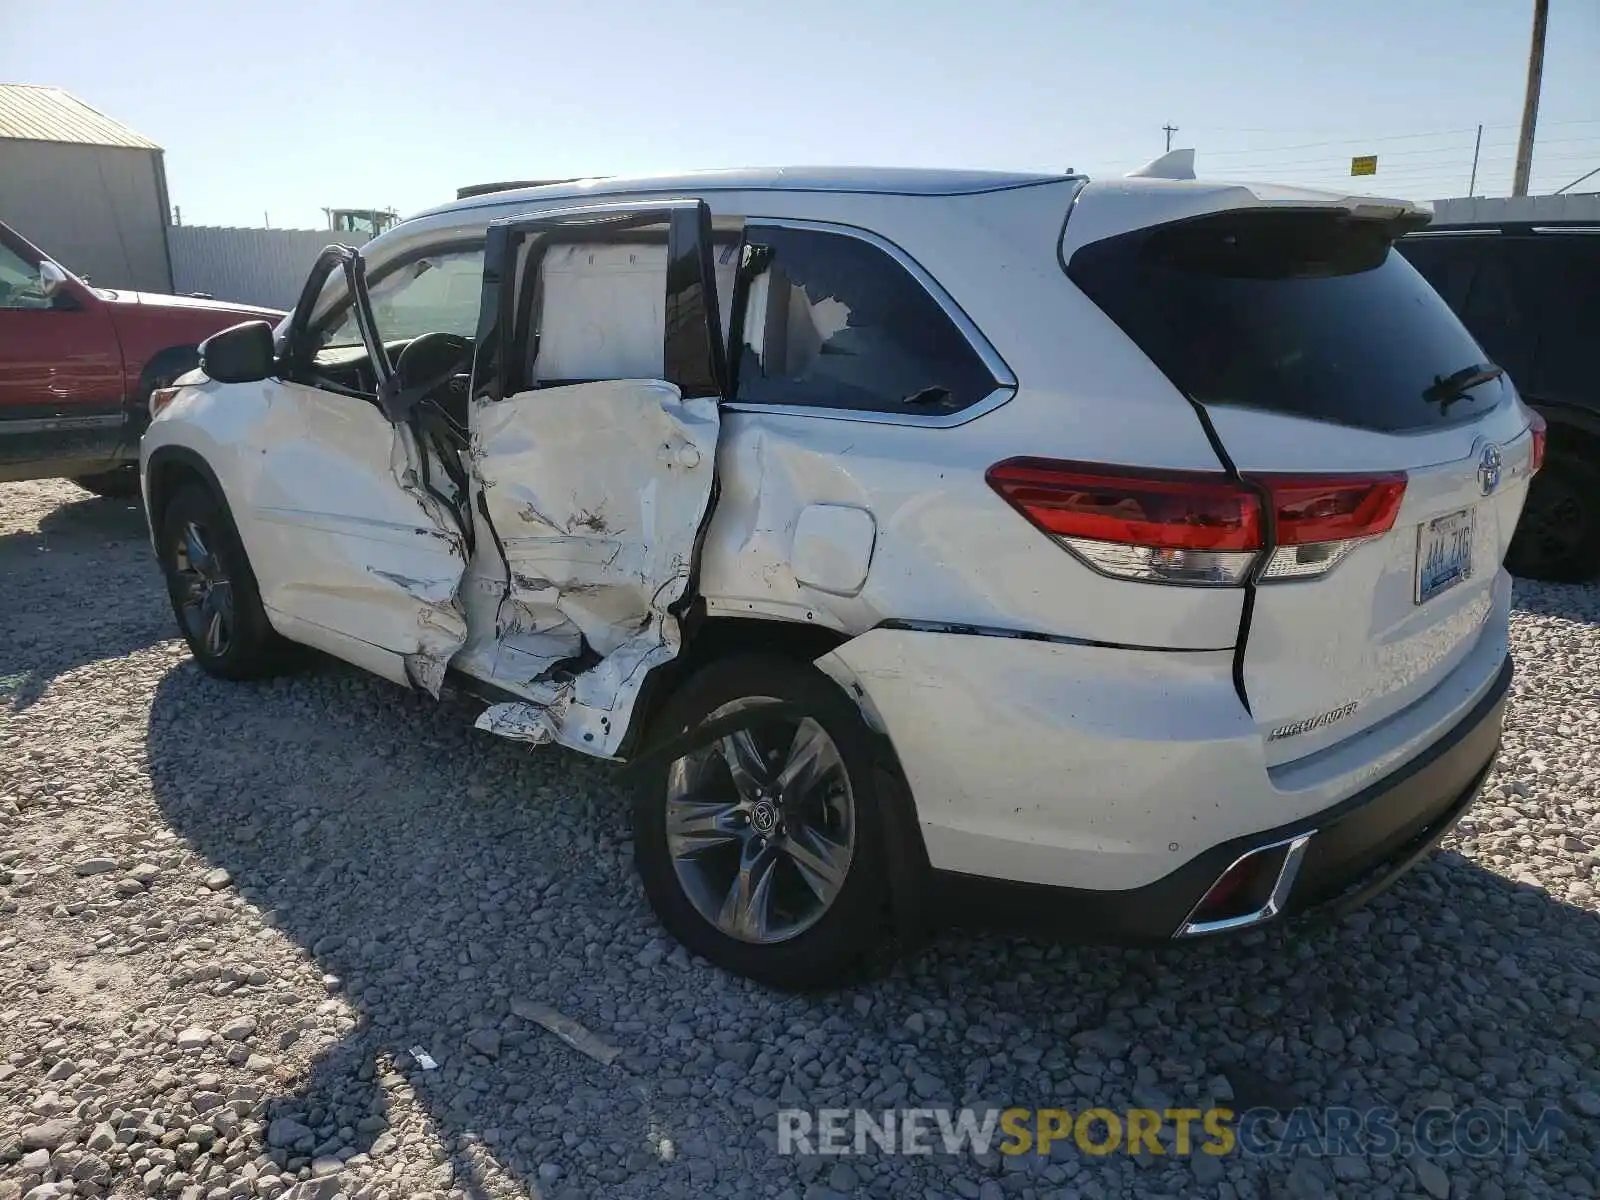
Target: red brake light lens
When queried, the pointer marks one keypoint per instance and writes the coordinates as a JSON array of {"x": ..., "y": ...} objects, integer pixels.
[
  {"x": 1199, "y": 527},
  {"x": 1328, "y": 508},
  {"x": 1541, "y": 433},
  {"x": 1185, "y": 527},
  {"x": 1167, "y": 509}
]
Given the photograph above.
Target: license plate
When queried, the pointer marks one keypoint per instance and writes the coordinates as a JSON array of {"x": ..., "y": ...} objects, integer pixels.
[{"x": 1444, "y": 554}]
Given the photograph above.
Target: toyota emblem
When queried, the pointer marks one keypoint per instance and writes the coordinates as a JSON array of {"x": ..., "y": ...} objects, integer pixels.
[{"x": 1489, "y": 469}]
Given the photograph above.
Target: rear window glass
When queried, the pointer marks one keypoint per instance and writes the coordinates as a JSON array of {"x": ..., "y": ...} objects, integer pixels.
[{"x": 1310, "y": 314}]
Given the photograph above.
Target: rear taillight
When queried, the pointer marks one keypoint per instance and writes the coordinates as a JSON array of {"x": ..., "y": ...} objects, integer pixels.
[
  {"x": 1318, "y": 520},
  {"x": 1190, "y": 527},
  {"x": 1540, "y": 431},
  {"x": 1198, "y": 527}
]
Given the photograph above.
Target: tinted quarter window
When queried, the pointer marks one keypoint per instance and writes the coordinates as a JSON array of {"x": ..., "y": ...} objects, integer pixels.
[
  {"x": 833, "y": 321},
  {"x": 1311, "y": 314}
]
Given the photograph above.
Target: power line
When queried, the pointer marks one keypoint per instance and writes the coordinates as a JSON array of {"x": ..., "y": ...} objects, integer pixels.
[
  {"x": 1392, "y": 137},
  {"x": 1445, "y": 162},
  {"x": 1510, "y": 125}
]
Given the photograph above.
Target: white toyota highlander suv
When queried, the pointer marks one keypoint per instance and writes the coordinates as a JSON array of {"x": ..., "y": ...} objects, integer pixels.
[{"x": 1127, "y": 551}]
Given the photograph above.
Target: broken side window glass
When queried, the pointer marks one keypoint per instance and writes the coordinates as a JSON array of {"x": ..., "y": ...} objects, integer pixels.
[{"x": 832, "y": 321}]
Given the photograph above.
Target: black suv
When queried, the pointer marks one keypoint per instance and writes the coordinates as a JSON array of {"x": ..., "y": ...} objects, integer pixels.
[{"x": 1531, "y": 296}]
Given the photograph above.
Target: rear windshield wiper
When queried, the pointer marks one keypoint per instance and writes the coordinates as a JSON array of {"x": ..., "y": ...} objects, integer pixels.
[
  {"x": 928, "y": 396},
  {"x": 1447, "y": 389}
]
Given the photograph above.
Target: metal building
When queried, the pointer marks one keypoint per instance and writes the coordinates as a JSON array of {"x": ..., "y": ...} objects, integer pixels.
[
  {"x": 251, "y": 266},
  {"x": 87, "y": 190}
]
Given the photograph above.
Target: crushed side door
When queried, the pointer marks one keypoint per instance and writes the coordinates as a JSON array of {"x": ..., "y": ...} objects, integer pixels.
[
  {"x": 593, "y": 438},
  {"x": 355, "y": 551}
]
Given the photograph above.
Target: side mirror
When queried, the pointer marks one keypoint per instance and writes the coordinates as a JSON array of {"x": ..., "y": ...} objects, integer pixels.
[
  {"x": 51, "y": 279},
  {"x": 242, "y": 353}
]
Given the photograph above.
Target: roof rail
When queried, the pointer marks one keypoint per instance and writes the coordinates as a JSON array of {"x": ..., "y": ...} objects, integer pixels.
[{"x": 484, "y": 189}]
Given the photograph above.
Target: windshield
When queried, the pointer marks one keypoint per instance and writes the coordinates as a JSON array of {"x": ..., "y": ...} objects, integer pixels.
[{"x": 1312, "y": 314}]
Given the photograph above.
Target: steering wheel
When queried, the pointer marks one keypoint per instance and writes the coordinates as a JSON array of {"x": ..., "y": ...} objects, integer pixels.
[{"x": 428, "y": 363}]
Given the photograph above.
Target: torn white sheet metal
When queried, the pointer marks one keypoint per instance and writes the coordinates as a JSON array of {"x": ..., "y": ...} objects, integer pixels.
[{"x": 597, "y": 492}]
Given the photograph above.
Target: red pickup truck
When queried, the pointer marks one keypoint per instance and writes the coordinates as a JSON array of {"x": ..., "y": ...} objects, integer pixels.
[{"x": 78, "y": 364}]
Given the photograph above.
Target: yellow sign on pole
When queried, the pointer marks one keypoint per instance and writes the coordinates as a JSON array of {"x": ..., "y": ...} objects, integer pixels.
[{"x": 1364, "y": 164}]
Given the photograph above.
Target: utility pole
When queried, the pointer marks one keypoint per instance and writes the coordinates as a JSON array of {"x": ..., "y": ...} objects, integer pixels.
[
  {"x": 1530, "y": 103},
  {"x": 1472, "y": 188},
  {"x": 1169, "y": 129}
]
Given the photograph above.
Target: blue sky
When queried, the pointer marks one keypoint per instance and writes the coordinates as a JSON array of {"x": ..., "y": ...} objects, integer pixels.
[{"x": 282, "y": 107}]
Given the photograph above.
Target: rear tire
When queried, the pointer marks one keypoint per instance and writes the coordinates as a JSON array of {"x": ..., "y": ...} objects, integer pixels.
[
  {"x": 1558, "y": 536},
  {"x": 783, "y": 814},
  {"x": 119, "y": 483},
  {"x": 213, "y": 590}
]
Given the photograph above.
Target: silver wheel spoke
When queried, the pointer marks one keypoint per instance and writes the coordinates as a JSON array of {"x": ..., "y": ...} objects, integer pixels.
[
  {"x": 823, "y": 862},
  {"x": 694, "y": 825},
  {"x": 804, "y": 764},
  {"x": 744, "y": 912},
  {"x": 745, "y": 764},
  {"x": 215, "y": 618},
  {"x": 214, "y": 633},
  {"x": 195, "y": 549}
]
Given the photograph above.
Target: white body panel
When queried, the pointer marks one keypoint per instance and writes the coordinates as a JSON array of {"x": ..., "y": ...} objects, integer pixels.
[
  {"x": 1102, "y": 750},
  {"x": 341, "y": 538},
  {"x": 1089, "y": 767},
  {"x": 1359, "y": 636}
]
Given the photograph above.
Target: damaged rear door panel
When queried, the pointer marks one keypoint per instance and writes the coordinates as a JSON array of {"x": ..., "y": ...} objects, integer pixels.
[
  {"x": 597, "y": 546},
  {"x": 592, "y": 461}
]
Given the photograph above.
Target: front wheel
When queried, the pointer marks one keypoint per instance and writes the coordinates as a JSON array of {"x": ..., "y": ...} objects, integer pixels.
[
  {"x": 762, "y": 848},
  {"x": 213, "y": 590}
]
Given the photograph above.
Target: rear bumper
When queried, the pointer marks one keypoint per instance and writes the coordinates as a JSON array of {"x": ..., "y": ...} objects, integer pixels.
[{"x": 1356, "y": 848}]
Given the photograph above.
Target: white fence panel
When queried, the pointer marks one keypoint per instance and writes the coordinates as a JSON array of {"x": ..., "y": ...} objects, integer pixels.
[{"x": 248, "y": 266}]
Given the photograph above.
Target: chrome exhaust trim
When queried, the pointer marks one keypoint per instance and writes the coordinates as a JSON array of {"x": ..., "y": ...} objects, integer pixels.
[{"x": 1294, "y": 854}]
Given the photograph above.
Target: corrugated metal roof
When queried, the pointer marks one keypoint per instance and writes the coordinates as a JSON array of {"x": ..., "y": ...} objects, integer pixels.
[{"x": 49, "y": 114}]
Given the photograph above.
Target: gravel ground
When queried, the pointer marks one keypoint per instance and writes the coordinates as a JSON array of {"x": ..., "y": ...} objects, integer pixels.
[{"x": 228, "y": 912}]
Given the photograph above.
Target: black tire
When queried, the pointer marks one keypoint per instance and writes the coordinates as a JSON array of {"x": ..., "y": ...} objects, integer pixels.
[
  {"x": 856, "y": 920},
  {"x": 1558, "y": 536},
  {"x": 119, "y": 483},
  {"x": 251, "y": 649}
]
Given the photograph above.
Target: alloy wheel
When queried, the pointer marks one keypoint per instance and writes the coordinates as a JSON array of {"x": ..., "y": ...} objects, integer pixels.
[
  {"x": 205, "y": 592},
  {"x": 761, "y": 826}
]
